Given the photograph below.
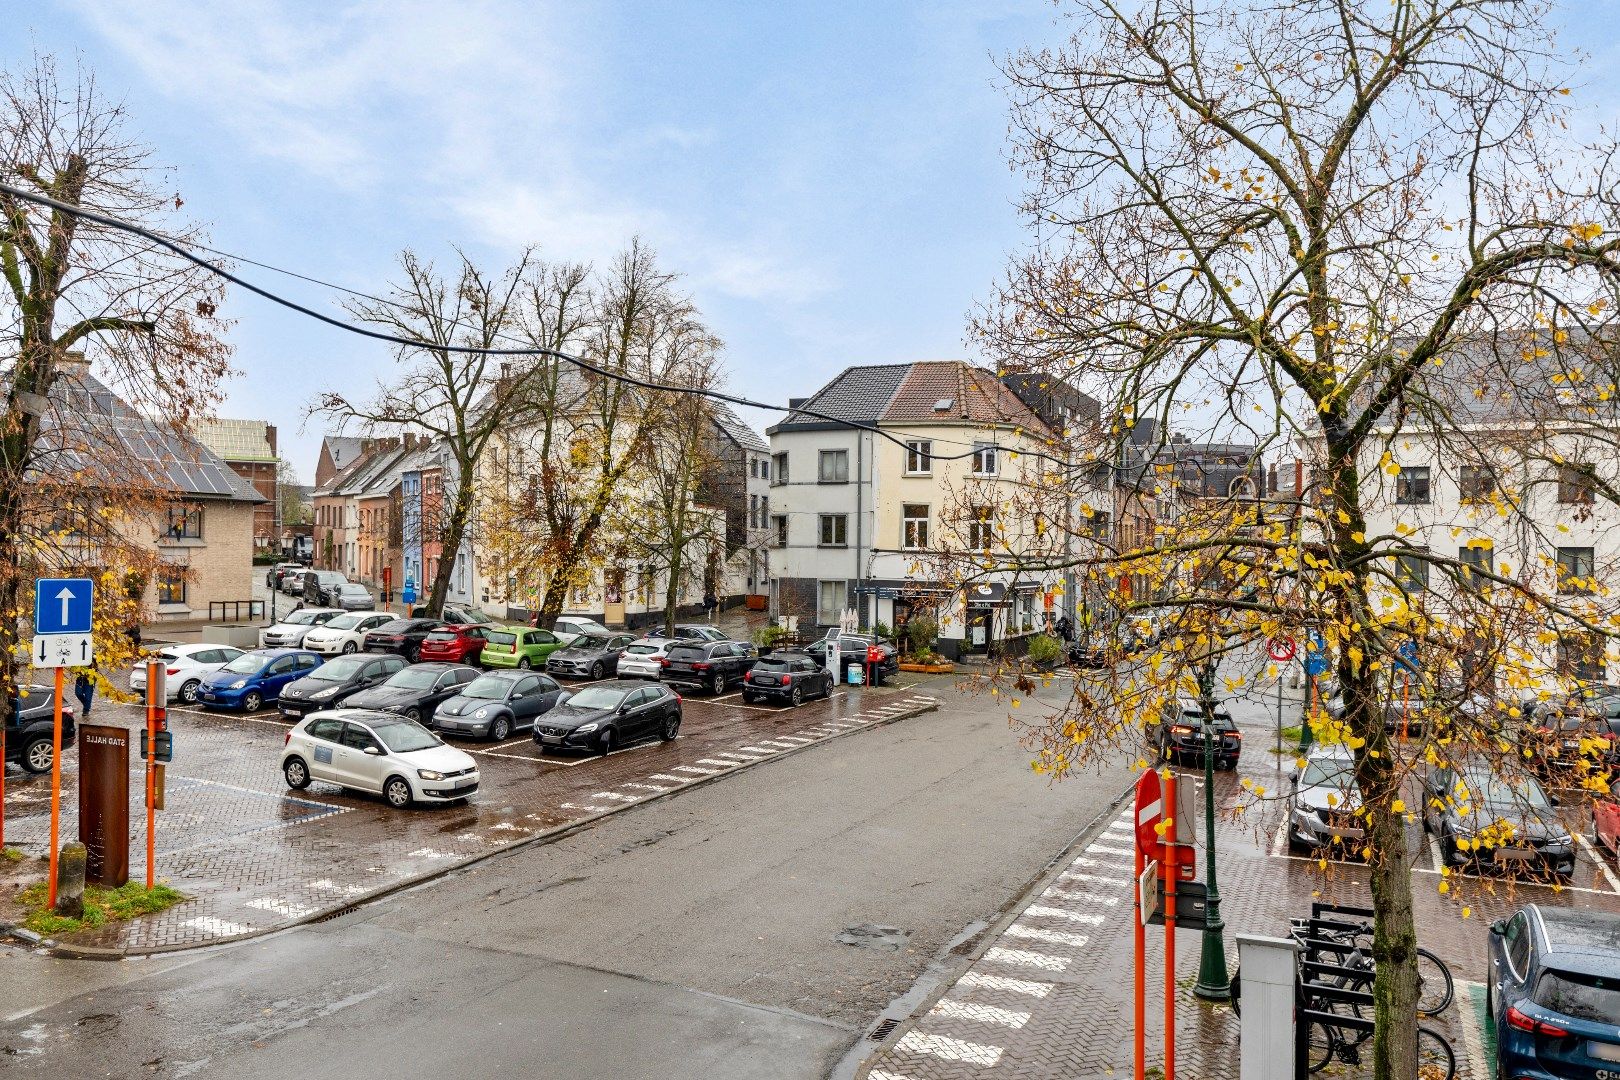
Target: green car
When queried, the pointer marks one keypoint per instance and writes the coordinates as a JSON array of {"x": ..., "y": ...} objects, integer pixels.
[{"x": 517, "y": 647}]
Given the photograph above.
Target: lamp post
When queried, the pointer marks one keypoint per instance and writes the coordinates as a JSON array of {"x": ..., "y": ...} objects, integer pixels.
[{"x": 1213, "y": 983}]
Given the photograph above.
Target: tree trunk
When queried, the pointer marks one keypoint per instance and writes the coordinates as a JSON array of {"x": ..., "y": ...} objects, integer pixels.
[
  {"x": 672, "y": 589},
  {"x": 455, "y": 532},
  {"x": 1395, "y": 989}
]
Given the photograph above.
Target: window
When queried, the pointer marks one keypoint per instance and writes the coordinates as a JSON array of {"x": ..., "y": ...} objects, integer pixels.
[
  {"x": 834, "y": 467},
  {"x": 171, "y": 585},
  {"x": 1474, "y": 557},
  {"x": 779, "y": 522},
  {"x": 984, "y": 459},
  {"x": 753, "y": 467},
  {"x": 981, "y": 528},
  {"x": 829, "y": 602},
  {"x": 184, "y": 522},
  {"x": 781, "y": 468},
  {"x": 1100, "y": 524},
  {"x": 753, "y": 511},
  {"x": 920, "y": 457},
  {"x": 1412, "y": 573},
  {"x": 913, "y": 526},
  {"x": 1580, "y": 656},
  {"x": 1575, "y": 484},
  {"x": 764, "y": 468},
  {"x": 1476, "y": 483},
  {"x": 1412, "y": 485},
  {"x": 1575, "y": 569},
  {"x": 834, "y": 530}
]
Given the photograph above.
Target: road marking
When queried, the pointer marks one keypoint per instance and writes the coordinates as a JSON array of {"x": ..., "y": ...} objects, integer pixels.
[
  {"x": 716, "y": 761},
  {"x": 1473, "y": 1042},
  {"x": 1095, "y": 879},
  {"x": 672, "y": 779},
  {"x": 765, "y": 751},
  {"x": 1049, "y": 937},
  {"x": 1280, "y": 841},
  {"x": 1434, "y": 851},
  {"x": 985, "y": 1014},
  {"x": 280, "y": 907},
  {"x": 694, "y": 769},
  {"x": 1103, "y": 849},
  {"x": 1518, "y": 883},
  {"x": 1121, "y": 824},
  {"x": 792, "y": 739},
  {"x": 1081, "y": 897},
  {"x": 1025, "y": 958},
  {"x": 429, "y": 853},
  {"x": 875, "y": 1074},
  {"x": 585, "y": 806},
  {"x": 218, "y": 927},
  {"x": 1602, "y": 864},
  {"x": 739, "y": 757},
  {"x": 649, "y": 787},
  {"x": 943, "y": 1046},
  {"x": 615, "y": 795},
  {"x": 1002, "y": 982}
]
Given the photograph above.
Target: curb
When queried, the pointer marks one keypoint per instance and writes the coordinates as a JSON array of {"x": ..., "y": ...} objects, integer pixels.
[
  {"x": 88, "y": 952},
  {"x": 988, "y": 937}
]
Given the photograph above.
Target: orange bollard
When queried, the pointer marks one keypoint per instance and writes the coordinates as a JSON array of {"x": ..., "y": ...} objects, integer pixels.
[
  {"x": 1139, "y": 936},
  {"x": 56, "y": 787},
  {"x": 154, "y": 677},
  {"x": 1172, "y": 864}
]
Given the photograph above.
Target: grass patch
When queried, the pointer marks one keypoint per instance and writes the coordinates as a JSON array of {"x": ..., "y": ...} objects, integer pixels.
[
  {"x": 1291, "y": 734},
  {"x": 12, "y": 854},
  {"x": 101, "y": 906}
]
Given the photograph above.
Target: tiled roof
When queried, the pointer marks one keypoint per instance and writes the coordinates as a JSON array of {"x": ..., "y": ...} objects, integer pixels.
[
  {"x": 973, "y": 395},
  {"x": 344, "y": 449},
  {"x": 236, "y": 440},
  {"x": 857, "y": 395},
  {"x": 734, "y": 426}
]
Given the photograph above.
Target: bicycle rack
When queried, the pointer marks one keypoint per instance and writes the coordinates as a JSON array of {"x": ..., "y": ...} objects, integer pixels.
[{"x": 1314, "y": 994}]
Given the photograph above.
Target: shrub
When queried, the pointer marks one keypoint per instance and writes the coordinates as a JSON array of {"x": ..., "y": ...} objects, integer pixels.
[
  {"x": 882, "y": 630},
  {"x": 1044, "y": 649},
  {"x": 921, "y": 633},
  {"x": 767, "y": 637}
]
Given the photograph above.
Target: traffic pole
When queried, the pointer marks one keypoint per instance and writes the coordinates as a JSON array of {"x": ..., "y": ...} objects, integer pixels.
[
  {"x": 1139, "y": 940},
  {"x": 1172, "y": 870},
  {"x": 56, "y": 786},
  {"x": 155, "y": 673}
]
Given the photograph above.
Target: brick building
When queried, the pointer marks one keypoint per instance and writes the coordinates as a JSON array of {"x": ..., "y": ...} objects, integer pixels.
[{"x": 249, "y": 448}]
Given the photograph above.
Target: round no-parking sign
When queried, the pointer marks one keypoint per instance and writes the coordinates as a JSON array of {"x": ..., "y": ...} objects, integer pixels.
[{"x": 1280, "y": 648}]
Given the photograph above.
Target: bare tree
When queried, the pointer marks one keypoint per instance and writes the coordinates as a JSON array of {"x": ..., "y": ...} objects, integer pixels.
[
  {"x": 72, "y": 497},
  {"x": 1332, "y": 228}
]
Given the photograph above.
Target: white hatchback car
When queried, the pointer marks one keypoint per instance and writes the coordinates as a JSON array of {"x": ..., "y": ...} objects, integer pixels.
[
  {"x": 187, "y": 665},
  {"x": 288, "y": 632},
  {"x": 570, "y": 627},
  {"x": 379, "y": 752},
  {"x": 345, "y": 633},
  {"x": 643, "y": 659}
]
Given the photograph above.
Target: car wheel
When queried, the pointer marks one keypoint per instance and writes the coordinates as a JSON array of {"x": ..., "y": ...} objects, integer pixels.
[
  {"x": 348, "y": 647},
  {"x": 605, "y": 747},
  {"x": 797, "y": 696},
  {"x": 296, "y": 772},
  {"x": 397, "y": 790},
  {"x": 717, "y": 684},
  {"x": 523, "y": 662},
  {"x": 38, "y": 755},
  {"x": 251, "y": 701},
  {"x": 596, "y": 670},
  {"x": 188, "y": 691},
  {"x": 413, "y": 653},
  {"x": 672, "y": 726},
  {"x": 500, "y": 729},
  {"x": 1448, "y": 851},
  {"x": 414, "y": 714}
]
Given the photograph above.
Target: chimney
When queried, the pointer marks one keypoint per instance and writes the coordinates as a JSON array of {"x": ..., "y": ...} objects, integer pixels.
[
  {"x": 270, "y": 436},
  {"x": 73, "y": 365},
  {"x": 410, "y": 440}
]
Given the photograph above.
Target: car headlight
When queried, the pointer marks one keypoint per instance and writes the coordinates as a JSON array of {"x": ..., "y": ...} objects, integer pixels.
[
  {"x": 328, "y": 692},
  {"x": 1464, "y": 828},
  {"x": 238, "y": 684},
  {"x": 586, "y": 729},
  {"x": 429, "y": 774},
  {"x": 481, "y": 713},
  {"x": 1559, "y": 843}
]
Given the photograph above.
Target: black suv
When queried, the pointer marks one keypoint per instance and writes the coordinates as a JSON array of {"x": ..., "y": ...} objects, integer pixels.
[
  {"x": 1179, "y": 735},
  {"x": 789, "y": 676},
  {"x": 402, "y": 636},
  {"x": 28, "y": 729},
  {"x": 710, "y": 665}
]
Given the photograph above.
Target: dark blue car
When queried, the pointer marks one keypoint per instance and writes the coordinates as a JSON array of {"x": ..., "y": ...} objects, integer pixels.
[
  {"x": 1555, "y": 994},
  {"x": 255, "y": 677}
]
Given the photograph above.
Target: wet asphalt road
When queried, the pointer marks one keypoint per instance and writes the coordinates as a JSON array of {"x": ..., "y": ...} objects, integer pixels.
[{"x": 696, "y": 936}]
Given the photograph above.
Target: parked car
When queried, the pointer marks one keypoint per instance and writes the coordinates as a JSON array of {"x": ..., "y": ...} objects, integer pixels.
[
  {"x": 517, "y": 647},
  {"x": 403, "y": 636},
  {"x": 691, "y": 632},
  {"x": 594, "y": 656},
  {"x": 415, "y": 691},
  {"x": 607, "y": 715},
  {"x": 320, "y": 587},
  {"x": 790, "y": 677},
  {"x": 455, "y": 615},
  {"x": 345, "y": 633},
  {"x": 1323, "y": 799},
  {"x": 351, "y": 596},
  {"x": 185, "y": 667},
  {"x": 644, "y": 659},
  {"x": 31, "y": 728},
  {"x": 334, "y": 681},
  {"x": 856, "y": 651},
  {"x": 498, "y": 703},
  {"x": 273, "y": 576},
  {"x": 570, "y": 627},
  {"x": 1179, "y": 734},
  {"x": 1606, "y": 818},
  {"x": 289, "y": 631},
  {"x": 458, "y": 644},
  {"x": 710, "y": 665},
  {"x": 1510, "y": 817},
  {"x": 397, "y": 758},
  {"x": 1553, "y": 992},
  {"x": 1567, "y": 746},
  {"x": 255, "y": 678}
]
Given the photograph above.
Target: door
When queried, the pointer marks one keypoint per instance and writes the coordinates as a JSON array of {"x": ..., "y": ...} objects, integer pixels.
[
  {"x": 527, "y": 702},
  {"x": 277, "y": 675},
  {"x": 641, "y": 714},
  {"x": 361, "y": 770},
  {"x": 613, "y": 600},
  {"x": 324, "y": 739}
]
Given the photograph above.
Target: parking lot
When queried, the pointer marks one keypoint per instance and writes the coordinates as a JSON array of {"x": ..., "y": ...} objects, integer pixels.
[{"x": 253, "y": 855}]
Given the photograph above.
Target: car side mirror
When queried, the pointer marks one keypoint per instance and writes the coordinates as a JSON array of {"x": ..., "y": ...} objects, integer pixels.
[
  {"x": 624, "y": 708},
  {"x": 1499, "y": 927},
  {"x": 373, "y": 751},
  {"x": 517, "y": 697}
]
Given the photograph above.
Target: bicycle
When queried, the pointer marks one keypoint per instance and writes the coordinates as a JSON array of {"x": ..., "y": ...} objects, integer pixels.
[
  {"x": 1435, "y": 986},
  {"x": 1326, "y": 1043}
]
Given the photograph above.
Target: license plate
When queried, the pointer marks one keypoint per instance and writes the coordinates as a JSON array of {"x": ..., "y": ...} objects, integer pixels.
[
  {"x": 1602, "y": 1051},
  {"x": 552, "y": 740},
  {"x": 1514, "y": 854},
  {"x": 766, "y": 682},
  {"x": 1571, "y": 744}
]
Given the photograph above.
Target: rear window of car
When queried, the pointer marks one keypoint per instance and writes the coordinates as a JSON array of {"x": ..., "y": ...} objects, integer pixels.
[
  {"x": 1584, "y": 997},
  {"x": 498, "y": 637},
  {"x": 688, "y": 652},
  {"x": 642, "y": 650},
  {"x": 397, "y": 626},
  {"x": 773, "y": 664},
  {"x": 442, "y": 635}
]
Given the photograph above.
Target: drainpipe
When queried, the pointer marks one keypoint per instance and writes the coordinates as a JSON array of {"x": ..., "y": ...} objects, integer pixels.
[{"x": 860, "y": 480}]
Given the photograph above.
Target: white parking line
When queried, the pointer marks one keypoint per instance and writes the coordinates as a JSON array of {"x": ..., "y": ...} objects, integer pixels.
[
  {"x": 985, "y": 1014},
  {"x": 1280, "y": 841},
  {"x": 943, "y": 1046},
  {"x": 1049, "y": 937},
  {"x": 694, "y": 769},
  {"x": 717, "y": 761},
  {"x": 875, "y": 1074},
  {"x": 764, "y": 751},
  {"x": 1001, "y": 982},
  {"x": 1435, "y": 853},
  {"x": 1025, "y": 958},
  {"x": 1080, "y": 897},
  {"x": 615, "y": 795},
  {"x": 671, "y": 779},
  {"x": 585, "y": 806},
  {"x": 792, "y": 739},
  {"x": 1104, "y": 849},
  {"x": 1602, "y": 863},
  {"x": 748, "y": 759},
  {"x": 1095, "y": 879},
  {"x": 649, "y": 787}
]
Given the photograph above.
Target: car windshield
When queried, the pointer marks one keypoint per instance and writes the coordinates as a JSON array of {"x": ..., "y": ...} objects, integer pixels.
[
  {"x": 403, "y": 735},
  {"x": 491, "y": 687},
  {"x": 339, "y": 670},
  {"x": 688, "y": 652},
  {"x": 500, "y": 637},
  {"x": 345, "y": 622},
  {"x": 1500, "y": 794},
  {"x": 1585, "y": 997},
  {"x": 1335, "y": 772},
  {"x": 248, "y": 664},
  {"x": 412, "y": 679},
  {"x": 301, "y": 618},
  {"x": 599, "y": 697},
  {"x": 642, "y": 650},
  {"x": 588, "y": 643}
]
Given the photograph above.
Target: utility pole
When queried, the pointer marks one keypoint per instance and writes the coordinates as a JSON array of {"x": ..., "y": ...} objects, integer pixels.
[{"x": 1213, "y": 983}]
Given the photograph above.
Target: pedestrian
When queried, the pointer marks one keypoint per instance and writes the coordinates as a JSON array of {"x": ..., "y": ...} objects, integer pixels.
[
  {"x": 84, "y": 688},
  {"x": 1065, "y": 628},
  {"x": 134, "y": 635},
  {"x": 710, "y": 602}
]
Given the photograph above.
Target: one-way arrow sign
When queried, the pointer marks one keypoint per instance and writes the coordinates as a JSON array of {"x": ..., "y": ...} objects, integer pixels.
[
  {"x": 63, "y": 605},
  {"x": 63, "y": 650}
]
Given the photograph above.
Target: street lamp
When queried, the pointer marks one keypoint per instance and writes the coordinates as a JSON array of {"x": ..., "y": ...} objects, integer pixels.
[{"x": 1213, "y": 984}]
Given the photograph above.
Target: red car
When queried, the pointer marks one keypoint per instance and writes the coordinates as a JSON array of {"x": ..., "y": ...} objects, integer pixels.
[
  {"x": 1606, "y": 816},
  {"x": 454, "y": 645}
]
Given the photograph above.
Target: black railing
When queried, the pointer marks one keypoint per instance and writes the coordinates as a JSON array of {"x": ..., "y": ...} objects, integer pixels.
[{"x": 233, "y": 610}]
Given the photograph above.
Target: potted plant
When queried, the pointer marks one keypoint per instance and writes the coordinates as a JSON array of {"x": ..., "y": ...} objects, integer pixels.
[{"x": 1044, "y": 651}]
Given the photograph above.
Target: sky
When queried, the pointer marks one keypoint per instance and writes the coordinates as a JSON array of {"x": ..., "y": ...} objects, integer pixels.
[{"x": 829, "y": 178}]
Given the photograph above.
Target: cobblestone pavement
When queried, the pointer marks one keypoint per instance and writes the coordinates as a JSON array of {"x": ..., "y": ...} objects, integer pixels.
[
  {"x": 252, "y": 856},
  {"x": 1049, "y": 995}
]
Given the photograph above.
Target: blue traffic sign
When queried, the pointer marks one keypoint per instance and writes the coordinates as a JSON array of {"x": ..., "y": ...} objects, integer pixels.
[
  {"x": 408, "y": 593},
  {"x": 1316, "y": 659},
  {"x": 1407, "y": 652},
  {"x": 63, "y": 605}
]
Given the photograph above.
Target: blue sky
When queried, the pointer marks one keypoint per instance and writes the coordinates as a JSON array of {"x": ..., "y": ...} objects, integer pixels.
[{"x": 829, "y": 177}]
